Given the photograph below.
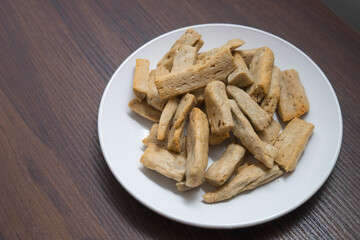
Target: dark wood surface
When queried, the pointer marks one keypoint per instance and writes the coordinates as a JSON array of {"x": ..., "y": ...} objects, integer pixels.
[{"x": 56, "y": 58}]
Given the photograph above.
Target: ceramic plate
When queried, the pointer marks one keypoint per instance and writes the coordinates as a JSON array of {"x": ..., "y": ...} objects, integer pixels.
[{"x": 121, "y": 132}]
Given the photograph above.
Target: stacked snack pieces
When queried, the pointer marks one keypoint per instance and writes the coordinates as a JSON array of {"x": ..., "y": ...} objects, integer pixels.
[{"x": 197, "y": 100}]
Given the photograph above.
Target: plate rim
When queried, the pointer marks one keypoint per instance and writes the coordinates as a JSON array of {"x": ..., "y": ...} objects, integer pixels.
[{"x": 220, "y": 226}]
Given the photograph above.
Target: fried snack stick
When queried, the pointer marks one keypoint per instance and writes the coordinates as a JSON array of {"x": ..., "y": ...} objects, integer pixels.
[
  {"x": 141, "y": 77},
  {"x": 261, "y": 69},
  {"x": 293, "y": 100},
  {"x": 231, "y": 45},
  {"x": 175, "y": 138},
  {"x": 181, "y": 186},
  {"x": 151, "y": 138},
  {"x": 256, "y": 115},
  {"x": 240, "y": 76},
  {"x": 217, "y": 139},
  {"x": 222, "y": 169},
  {"x": 260, "y": 181},
  {"x": 272, "y": 175},
  {"x": 186, "y": 104},
  {"x": 218, "y": 108},
  {"x": 176, "y": 132},
  {"x": 190, "y": 37},
  {"x": 243, "y": 130},
  {"x": 247, "y": 178},
  {"x": 291, "y": 143},
  {"x": 247, "y": 55},
  {"x": 185, "y": 56},
  {"x": 245, "y": 165},
  {"x": 153, "y": 98},
  {"x": 166, "y": 117},
  {"x": 271, "y": 100},
  {"x": 169, "y": 164},
  {"x": 270, "y": 133},
  {"x": 197, "y": 148},
  {"x": 199, "y": 95},
  {"x": 196, "y": 76},
  {"x": 144, "y": 109}
]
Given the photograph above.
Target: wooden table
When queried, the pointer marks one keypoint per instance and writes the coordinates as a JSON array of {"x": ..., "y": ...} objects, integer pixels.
[{"x": 56, "y": 58}]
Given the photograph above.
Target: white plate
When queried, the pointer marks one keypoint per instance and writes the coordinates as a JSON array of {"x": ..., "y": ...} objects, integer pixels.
[{"x": 121, "y": 132}]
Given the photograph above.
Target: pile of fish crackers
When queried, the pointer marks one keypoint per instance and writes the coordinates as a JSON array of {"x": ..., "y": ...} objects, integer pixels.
[{"x": 200, "y": 99}]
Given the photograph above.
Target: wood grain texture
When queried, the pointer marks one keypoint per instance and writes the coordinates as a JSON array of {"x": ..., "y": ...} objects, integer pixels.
[{"x": 55, "y": 60}]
